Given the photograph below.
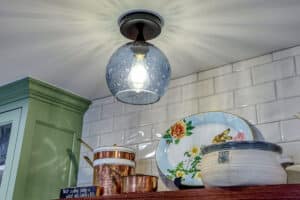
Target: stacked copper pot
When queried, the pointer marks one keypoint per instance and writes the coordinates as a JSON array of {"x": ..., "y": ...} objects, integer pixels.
[
  {"x": 114, "y": 171},
  {"x": 110, "y": 165}
]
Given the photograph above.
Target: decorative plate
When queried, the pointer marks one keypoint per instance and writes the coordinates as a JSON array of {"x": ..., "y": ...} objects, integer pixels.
[{"x": 179, "y": 151}]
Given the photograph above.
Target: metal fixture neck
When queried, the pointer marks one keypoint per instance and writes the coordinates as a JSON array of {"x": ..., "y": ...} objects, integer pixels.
[{"x": 140, "y": 36}]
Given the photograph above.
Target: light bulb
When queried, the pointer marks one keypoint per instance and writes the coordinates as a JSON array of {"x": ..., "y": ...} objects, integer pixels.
[{"x": 138, "y": 77}]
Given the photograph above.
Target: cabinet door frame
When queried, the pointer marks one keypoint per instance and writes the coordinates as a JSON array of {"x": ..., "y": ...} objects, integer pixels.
[{"x": 10, "y": 117}]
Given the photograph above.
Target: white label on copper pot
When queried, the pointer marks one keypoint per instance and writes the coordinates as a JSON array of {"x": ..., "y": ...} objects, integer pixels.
[{"x": 114, "y": 161}]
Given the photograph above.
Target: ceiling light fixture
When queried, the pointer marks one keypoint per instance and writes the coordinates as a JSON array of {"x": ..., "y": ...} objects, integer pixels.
[{"x": 138, "y": 72}]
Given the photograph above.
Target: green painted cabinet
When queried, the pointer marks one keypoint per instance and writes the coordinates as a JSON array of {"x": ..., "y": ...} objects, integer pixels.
[{"x": 39, "y": 151}]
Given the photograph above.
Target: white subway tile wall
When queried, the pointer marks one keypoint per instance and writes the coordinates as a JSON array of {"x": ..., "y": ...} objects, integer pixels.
[
  {"x": 93, "y": 114},
  {"x": 271, "y": 131},
  {"x": 112, "y": 138},
  {"x": 297, "y": 60},
  {"x": 183, "y": 81},
  {"x": 248, "y": 113},
  {"x": 264, "y": 90},
  {"x": 288, "y": 87},
  {"x": 292, "y": 149},
  {"x": 278, "y": 110},
  {"x": 198, "y": 89},
  {"x": 226, "y": 69},
  {"x": 182, "y": 109},
  {"x": 255, "y": 94},
  {"x": 245, "y": 64},
  {"x": 101, "y": 126},
  {"x": 216, "y": 102},
  {"x": 144, "y": 166},
  {"x": 111, "y": 109},
  {"x": 138, "y": 135},
  {"x": 155, "y": 115},
  {"x": 233, "y": 81},
  {"x": 159, "y": 129},
  {"x": 85, "y": 175},
  {"x": 290, "y": 130},
  {"x": 273, "y": 71},
  {"x": 286, "y": 53}
]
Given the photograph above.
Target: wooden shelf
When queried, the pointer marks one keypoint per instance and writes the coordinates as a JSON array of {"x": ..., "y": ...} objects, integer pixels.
[{"x": 275, "y": 192}]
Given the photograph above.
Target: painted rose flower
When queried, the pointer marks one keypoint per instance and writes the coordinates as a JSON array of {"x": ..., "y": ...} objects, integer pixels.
[
  {"x": 239, "y": 137},
  {"x": 178, "y": 129}
]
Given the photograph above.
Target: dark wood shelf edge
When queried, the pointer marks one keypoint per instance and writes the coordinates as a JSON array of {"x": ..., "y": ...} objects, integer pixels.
[{"x": 274, "y": 192}]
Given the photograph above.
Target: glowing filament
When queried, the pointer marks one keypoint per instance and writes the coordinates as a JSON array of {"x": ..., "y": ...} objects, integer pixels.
[{"x": 138, "y": 76}]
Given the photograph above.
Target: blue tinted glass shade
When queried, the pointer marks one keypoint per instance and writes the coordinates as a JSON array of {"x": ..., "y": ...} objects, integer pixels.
[{"x": 138, "y": 73}]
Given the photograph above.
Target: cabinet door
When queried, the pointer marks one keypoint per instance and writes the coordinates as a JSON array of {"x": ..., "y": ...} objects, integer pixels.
[
  {"x": 9, "y": 124},
  {"x": 50, "y": 162}
]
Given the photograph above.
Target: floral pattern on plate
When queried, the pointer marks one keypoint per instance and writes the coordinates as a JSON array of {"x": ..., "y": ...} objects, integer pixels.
[
  {"x": 178, "y": 131},
  {"x": 189, "y": 166},
  {"x": 192, "y": 159}
]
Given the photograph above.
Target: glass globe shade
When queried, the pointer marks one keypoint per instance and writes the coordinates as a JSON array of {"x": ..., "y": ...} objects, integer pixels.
[{"x": 138, "y": 73}]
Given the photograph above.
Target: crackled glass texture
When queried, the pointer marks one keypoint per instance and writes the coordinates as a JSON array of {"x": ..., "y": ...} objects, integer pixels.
[{"x": 138, "y": 73}]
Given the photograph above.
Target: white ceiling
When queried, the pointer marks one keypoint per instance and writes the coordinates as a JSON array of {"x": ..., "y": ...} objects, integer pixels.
[{"x": 68, "y": 42}]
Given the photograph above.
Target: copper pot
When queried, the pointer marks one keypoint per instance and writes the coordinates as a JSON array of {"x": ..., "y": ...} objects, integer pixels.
[
  {"x": 139, "y": 183},
  {"x": 110, "y": 165}
]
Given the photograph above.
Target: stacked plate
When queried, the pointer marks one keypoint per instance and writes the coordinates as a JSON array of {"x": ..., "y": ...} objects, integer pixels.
[{"x": 179, "y": 154}]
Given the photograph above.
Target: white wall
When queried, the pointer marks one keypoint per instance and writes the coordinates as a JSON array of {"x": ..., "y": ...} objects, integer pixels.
[{"x": 264, "y": 90}]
